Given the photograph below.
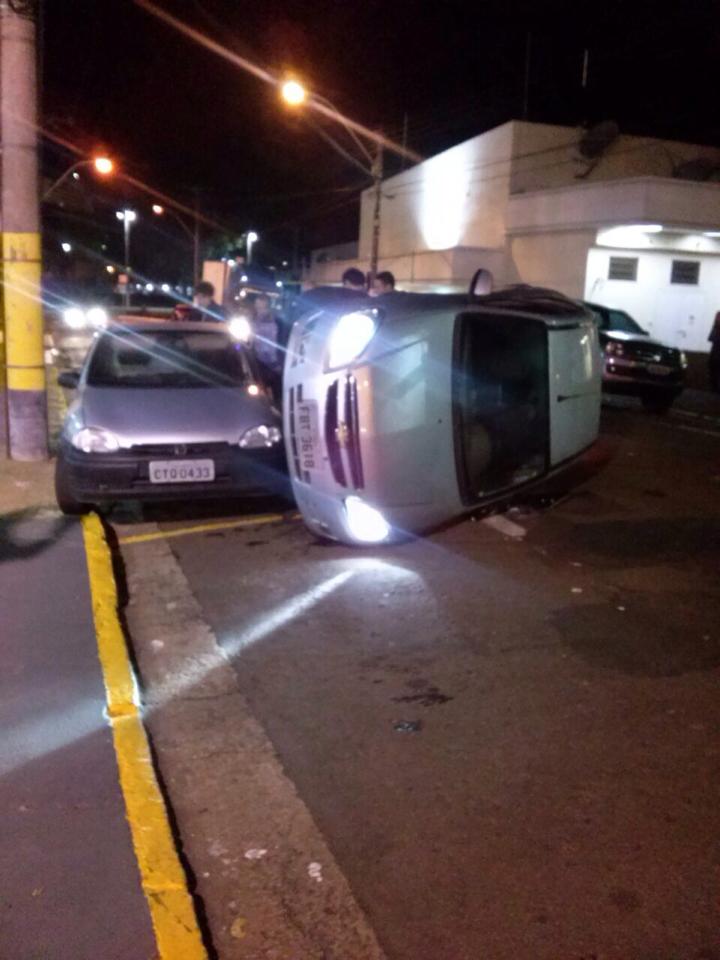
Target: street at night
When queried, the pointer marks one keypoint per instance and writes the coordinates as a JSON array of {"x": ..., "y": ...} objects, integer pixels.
[
  {"x": 506, "y": 735},
  {"x": 359, "y": 481}
]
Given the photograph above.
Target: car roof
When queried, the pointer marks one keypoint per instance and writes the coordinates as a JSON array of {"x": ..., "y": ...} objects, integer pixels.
[
  {"x": 550, "y": 306},
  {"x": 148, "y": 324}
]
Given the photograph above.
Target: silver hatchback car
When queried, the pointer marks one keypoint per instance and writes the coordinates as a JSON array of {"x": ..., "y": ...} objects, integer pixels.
[
  {"x": 167, "y": 410},
  {"x": 405, "y": 411}
]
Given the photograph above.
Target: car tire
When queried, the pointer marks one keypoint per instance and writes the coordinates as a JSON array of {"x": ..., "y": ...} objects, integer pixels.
[
  {"x": 64, "y": 494},
  {"x": 658, "y": 403}
]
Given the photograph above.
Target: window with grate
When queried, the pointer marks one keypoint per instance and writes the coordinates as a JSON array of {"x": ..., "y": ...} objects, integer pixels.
[
  {"x": 623, "y": 268},
  {"x": 685, "y": 271}
]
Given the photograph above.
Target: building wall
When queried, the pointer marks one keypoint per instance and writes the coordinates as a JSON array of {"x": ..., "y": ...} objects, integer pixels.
[
  {"x": 679, "y": 314},
  {"x": 457, "y": 198},
  {"x": 553, "y": 260}
]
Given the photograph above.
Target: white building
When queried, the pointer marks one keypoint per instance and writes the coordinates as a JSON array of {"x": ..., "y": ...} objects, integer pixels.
[{"x": 624, "y": 228}]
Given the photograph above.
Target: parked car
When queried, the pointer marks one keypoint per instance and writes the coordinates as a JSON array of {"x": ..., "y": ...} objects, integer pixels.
[
  {"x": 634, "y": 363},
  {"x": 405, "y": 411},
  {"x": 167, "y": 410}
]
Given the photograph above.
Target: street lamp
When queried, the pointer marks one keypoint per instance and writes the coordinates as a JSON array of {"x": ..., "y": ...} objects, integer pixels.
[
  {"x": 103, "y": 166},
  {"x": 251, "y": 238},
  {"x": 295, "y": 95},
  {"x": 128, "y": 218},
  {"x": 159, "y": 210}
]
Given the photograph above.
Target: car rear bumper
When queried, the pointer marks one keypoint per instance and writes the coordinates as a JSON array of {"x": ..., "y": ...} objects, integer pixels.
[{"x": 126, "y": 476}]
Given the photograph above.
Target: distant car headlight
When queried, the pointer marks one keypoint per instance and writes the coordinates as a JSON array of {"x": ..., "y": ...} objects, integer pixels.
[
  {"x": 95, "y": 440},
  {"x": 614, "y": 349},
  {"x": 257, "y": 437},
  {"x": 365, "y": 523},
  {"x": 74, "y": 318},
  {"x": 97, "y": 317},
  {"x": 351, "y": 335},
  {"x": 240, "y": 328},
  {"x": 683, "y": 360}
]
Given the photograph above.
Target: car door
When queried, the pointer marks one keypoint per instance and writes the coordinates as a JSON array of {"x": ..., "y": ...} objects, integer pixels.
[{"x": 574, "y": 382}]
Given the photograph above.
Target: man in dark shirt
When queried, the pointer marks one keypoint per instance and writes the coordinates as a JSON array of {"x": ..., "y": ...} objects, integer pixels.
[{"x": 205, "y": 302}]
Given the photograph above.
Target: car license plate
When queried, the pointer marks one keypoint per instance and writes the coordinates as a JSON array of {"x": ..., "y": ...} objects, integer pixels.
[
  {"x": 181, "y": 471},
  {"x": 658, "y": 369},
  {"x": 307, "y": 434}
]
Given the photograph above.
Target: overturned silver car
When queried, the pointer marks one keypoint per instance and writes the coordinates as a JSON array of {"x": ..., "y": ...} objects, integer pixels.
[{"x": 405, "y": 411}]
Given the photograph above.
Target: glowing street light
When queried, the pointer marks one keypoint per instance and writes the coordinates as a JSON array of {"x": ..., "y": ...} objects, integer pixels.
[
  {"x": 293, "y": 93},
  {"x": 102, "y": 165},
  {"x": 251, "y": 238},
  {"x": 158, "y": 209}
]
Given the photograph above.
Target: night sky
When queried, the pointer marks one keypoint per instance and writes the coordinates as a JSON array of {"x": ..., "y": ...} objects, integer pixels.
[{"x": 180, "y": 118}]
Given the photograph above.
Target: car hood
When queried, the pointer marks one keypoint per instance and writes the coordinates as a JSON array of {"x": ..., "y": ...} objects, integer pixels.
[
  {"x": 641, "y": 339},
  {"x": 137, "y": 415}
]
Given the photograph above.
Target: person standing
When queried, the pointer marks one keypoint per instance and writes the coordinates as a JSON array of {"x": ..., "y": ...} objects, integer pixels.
[
  {"x": 714, "y": 358},
  {"x": 206, "y": 303},
  {"x": 266, "y": 342},
  {"x": 354, "y": 279},
  {"x": 384, "y": 283}
]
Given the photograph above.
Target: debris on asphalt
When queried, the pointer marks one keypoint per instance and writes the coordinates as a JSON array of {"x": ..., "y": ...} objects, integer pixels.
[
  {"x": 576, "y": 590},
  {"x": 315, "y": 871},
  {"x": 426, "y": 698},
  {"x": 255, "y": 853},
  {"x": 407, "y": 726},
  {"x": 237, "y": 928}
]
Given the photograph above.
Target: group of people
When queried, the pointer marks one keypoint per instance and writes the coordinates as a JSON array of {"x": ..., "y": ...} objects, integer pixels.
[{"x": 381, "y": 283}]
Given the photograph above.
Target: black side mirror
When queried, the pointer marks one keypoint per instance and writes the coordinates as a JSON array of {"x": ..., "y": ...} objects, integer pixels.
[
  {"x": 481, "y": 283},
  {"x": 69, "y": 379}
]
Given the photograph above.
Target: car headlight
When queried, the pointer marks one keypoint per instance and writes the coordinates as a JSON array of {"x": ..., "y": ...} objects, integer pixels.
[
  {"x": 351, "y": 335},
  {"x": 74, "y": 318},
  {"x": 614, "y": 349},
  {"x": 240, "y": 328},
  {"x": 95, "y": 440},
  {"x": 365, "y": 523},
  {"x": 683, "y": 360},
  {"x": 257, "y": 437},
  {"x": 97, "y": 317}
]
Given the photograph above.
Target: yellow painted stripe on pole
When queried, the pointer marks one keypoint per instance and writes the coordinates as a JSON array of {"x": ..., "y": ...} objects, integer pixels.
[
  {"x": 257, "y": 521},
  {"x": 21, "y": 246},
  {"x": 163, "y": 880}
]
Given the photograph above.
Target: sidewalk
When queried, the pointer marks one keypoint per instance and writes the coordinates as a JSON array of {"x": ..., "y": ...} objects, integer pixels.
[{"x": 68, "y": 875}]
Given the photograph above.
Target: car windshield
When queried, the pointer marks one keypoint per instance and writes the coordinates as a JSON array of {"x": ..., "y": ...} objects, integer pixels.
[
  {"x": 618, "y": 321},
  {"x": 500, "y": 402},
  {"x": 168, "y": 358}
]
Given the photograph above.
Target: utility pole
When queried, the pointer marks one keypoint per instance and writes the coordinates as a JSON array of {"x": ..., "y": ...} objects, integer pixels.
[
  {"x": 21, "y": 250},
  {"x": 377, "y": 174},
  {"x": 196, "y": 241}
]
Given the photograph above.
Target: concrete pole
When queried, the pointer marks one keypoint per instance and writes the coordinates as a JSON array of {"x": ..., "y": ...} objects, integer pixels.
[
  {"x": 377, "y": 173},
  {"x": 21, "y": 252},
  {"x": 196, "y": 242}
]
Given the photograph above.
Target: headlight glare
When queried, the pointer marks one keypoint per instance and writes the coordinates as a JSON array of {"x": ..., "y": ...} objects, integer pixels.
[
  {"x": 258, "y": 437},
  {"x": 351, "y": 335},
  {"x": 97, "y": 317},
  {"x": 74, "y": 318},
  {"x": 240, "y": 328},
  {"x": 614, "y": 349},
  {"x": 95, "y": 440},
  {"x": 365, "y": 523}
]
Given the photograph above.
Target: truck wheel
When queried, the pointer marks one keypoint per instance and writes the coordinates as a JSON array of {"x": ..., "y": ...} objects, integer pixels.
[{"x": 66, "y": 499}]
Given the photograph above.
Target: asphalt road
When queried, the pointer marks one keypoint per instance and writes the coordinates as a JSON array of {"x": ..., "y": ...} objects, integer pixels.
[{"x": 509, "y": 743}]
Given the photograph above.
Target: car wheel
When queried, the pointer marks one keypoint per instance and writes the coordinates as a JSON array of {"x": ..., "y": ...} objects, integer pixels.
[
  {"x": 659, "y": 403},
  {"x": 64, "y": 494}
]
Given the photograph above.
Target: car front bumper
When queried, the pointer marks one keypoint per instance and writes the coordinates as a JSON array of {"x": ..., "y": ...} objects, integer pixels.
[
  {"x": 634, "y": 379},
  {"x": 125, "y": 475}
]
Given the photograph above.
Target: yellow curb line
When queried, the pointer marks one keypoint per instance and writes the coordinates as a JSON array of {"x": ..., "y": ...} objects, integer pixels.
[
  {"x": 163, "y": 879},
  {"x": 257, "y": 521}
]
